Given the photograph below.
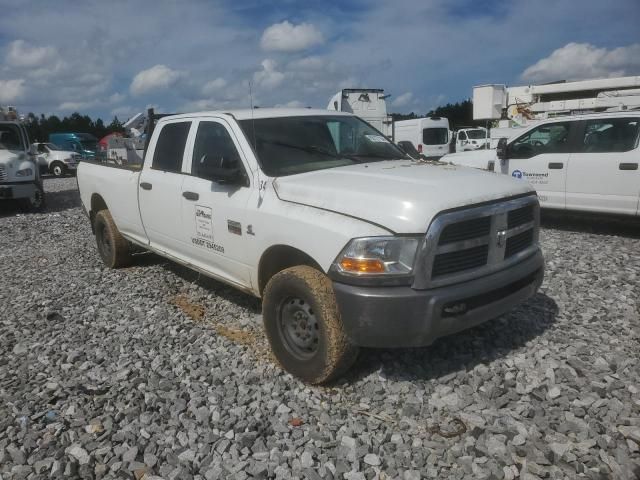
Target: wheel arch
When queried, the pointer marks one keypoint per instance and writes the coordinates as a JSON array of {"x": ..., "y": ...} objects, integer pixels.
[
  {"x": 280, "y": 257},
  {"x": 97, "y": 204}
]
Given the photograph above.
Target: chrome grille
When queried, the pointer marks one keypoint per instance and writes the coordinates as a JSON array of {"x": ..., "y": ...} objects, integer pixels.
[
  {"x": 466, "y": 244},
  {"x": 3, "y": 173}
]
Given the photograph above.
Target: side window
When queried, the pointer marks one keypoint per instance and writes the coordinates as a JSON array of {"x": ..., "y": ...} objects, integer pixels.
[
  {"x": 170, "y": 147},
  {"x": 214, "y": 149},
  {"x": 462, "y": 136},
  {"x": 610, "y": 135},
  {"x": 42, "y": 148},
  {"x": 547, "y": 138}
]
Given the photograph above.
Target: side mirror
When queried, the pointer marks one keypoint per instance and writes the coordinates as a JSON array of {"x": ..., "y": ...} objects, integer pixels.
[
  {"x": 230, "y": 176},
  {"x": 33, "y": 149},
  {"x": 501, "y": 149}
]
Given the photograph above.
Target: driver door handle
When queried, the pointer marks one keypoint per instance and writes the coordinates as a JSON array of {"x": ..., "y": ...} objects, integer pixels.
[
  {"x": 146, "y": 186},
  {"x": 628, "y": 166},
  {"x": 556, "y": 166},
  {"x": 191, "y": 196}
]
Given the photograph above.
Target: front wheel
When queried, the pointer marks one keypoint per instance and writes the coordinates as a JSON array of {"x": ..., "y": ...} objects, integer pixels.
[
  {"x": 112, "y": 246},
  {"x": 303, "y": 325},
  {"x": 58, "y": 169},
  {"x": 34, "y": 203}
]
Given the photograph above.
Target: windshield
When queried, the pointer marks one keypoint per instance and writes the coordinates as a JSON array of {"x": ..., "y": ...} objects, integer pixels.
[
  {"x": 290, "y": 145},
  {"x": 10, "y": 138},
  {"x": 476, "y": 134},
  {"x": 88, "y": 145},
  {"x": 435, "y": 136}
]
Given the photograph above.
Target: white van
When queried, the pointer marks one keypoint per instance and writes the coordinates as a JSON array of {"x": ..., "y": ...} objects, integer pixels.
[
  {"x": 430, "y": 136},
  {"x": 587, "y": 162}
]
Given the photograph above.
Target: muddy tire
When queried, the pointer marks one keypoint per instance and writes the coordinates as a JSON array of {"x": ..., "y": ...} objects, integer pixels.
[
  {"x": 35, "y": 203},
  {"x": 303, "y": 325},
  {"x": 58, "y": 169},
  {"x": 113, "y": 248}
]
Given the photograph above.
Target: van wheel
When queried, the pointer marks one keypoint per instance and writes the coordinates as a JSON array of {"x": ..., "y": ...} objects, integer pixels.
[
  {"x": 35, "y": 203},
  {"x": 58, "y": 169},
  {"x": 112, "y": 246},
  {"x": 303, "y": 325}
]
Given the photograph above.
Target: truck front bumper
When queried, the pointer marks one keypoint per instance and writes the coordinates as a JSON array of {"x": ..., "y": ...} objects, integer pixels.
[
  {"x": 15, "y": 190},
  {"x": 401, "y": 316}
]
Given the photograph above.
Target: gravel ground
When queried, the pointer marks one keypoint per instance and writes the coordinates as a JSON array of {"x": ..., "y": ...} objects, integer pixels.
[{"x": 153, "y": 371}]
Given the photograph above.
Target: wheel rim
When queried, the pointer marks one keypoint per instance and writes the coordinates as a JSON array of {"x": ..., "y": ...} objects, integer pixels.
[
  {"x": 57, "y": 170},
  {"x": 298, "y": 327},
  {"x": 105, "y": 243}
]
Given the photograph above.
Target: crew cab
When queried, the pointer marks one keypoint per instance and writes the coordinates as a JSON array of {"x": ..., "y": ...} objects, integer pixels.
[
  {"x": 583, "y": 163},
  {"x": 54, "y": 160},
  {"x": 349, "y": 242},
  {"x": 19, "y": 176}
]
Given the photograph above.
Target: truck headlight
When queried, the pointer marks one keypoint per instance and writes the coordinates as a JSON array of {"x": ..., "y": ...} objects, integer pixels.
[
  {"x": 378, "y": 256},
  {"x": 25, "y": 172}
]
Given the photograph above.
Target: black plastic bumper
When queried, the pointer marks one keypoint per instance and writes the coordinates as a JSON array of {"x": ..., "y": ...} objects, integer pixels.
[{"x": 403, "y": 317}]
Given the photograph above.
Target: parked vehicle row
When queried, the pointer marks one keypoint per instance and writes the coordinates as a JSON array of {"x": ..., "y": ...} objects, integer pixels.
[{"x": 348, "y": 242}]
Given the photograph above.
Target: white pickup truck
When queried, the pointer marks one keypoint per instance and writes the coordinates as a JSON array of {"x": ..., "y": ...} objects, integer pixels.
[
  {"x": 52, "y": 159},
  {"x": 347, "y": 240},
  {"x": 586, "y": 163}
]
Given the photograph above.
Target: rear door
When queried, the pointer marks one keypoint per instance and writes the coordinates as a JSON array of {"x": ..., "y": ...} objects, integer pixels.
[
  {"x": 160, "y": 188},
  {"x": 215, "y": 227},
  {"x": 603, "y": 174},
  {"x": 541, "y": 157}
]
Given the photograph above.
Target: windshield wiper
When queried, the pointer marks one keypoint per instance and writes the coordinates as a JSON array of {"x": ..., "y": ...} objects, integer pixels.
[{"x": 308, "y": 149}]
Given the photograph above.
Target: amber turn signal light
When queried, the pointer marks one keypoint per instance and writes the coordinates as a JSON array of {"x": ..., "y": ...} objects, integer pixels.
[{"x": 362, "y": 265}]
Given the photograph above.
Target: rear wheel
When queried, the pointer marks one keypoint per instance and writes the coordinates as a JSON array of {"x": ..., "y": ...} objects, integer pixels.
[
  {"x": 113, "y": 247},
  {"x": 58, "y": 169},
  {"x": 303, "y": 325}
]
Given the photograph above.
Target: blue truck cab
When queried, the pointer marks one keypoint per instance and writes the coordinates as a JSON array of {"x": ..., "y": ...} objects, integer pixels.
[{"x": 83, "y": 143}]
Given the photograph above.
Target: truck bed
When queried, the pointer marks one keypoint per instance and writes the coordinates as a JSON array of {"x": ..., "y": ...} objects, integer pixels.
[{"x": 117, "y": 187}]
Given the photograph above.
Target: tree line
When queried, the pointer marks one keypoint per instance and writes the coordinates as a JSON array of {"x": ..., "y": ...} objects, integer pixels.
[
  {"x": 460, "y": 114},
  {"x": 40, "y": 127}
]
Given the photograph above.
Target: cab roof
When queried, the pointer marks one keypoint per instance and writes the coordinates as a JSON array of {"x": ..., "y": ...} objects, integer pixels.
[{"x": 260, "y": 113}]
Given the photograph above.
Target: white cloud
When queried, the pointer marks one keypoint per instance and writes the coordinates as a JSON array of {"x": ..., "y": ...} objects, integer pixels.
[
  {"x": 291, "y": 104},
  {"x": 578, "y": 61},
  {"x": 11, "y": 90},
  {"x": 403, "y": 100},
  {"x": 158, "y": 77},
  {"x": 214, "y": 86},
  {"x": 286, "y": 37},
  {"x": 22, "y": 54},
  {"x": 75, "y": 106},
  {"x": 268, "y": 78}
]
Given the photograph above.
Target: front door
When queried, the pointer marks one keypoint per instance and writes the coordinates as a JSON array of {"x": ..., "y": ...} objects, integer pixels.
[
  {"x": 603, "y": 175},
  {"x": 215, "y": 214},
  {"x": 160, "y": 189},
  {"x": 541, "y": 157}
]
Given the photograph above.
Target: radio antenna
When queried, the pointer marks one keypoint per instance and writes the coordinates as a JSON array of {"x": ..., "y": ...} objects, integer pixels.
[{"x": 253, "y": 124}]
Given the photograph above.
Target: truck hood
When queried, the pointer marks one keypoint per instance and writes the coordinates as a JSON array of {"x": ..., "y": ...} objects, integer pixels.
[
  {"x": 403, "y": 196},
  {"x": 8, "y": 155}
]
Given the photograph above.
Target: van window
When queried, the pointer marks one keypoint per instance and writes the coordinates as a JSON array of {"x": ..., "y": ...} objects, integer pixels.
[
  {"x": 462, "y": 136},
  {"x": 170, "y": 147},
  {"x": 435, "y": 136},
  {"x": 547, "y": 138},
  {"x": 611, "y": 135},
  {"x": 213, "y": 149}
]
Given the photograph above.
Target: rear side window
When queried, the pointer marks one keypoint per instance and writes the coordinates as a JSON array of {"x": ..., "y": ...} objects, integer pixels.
[
  {"x": 610, "y": 135},
  {"x": 170, "y": 147}
]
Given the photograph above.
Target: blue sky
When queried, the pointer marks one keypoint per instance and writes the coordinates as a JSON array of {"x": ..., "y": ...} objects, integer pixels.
[{"x": 117, "y": 58}]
